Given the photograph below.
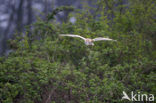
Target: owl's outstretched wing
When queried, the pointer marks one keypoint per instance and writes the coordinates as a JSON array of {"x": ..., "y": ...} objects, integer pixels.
[
  {"x": 101, "y": 38},
  {"x": 71, "y": 35}
]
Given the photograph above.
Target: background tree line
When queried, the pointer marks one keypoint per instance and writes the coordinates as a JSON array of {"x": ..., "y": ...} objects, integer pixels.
[{"x": 46, "y": 68}]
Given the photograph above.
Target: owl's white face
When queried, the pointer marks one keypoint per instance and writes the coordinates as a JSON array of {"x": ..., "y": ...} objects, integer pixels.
[{"x": 89, "y": 41}]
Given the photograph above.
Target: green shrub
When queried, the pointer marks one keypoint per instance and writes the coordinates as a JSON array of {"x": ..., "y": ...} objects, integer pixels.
[{"x": 46, "y": 68}]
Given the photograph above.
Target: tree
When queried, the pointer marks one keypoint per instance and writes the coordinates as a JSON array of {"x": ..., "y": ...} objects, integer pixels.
[{"x": 45, "y": 68}]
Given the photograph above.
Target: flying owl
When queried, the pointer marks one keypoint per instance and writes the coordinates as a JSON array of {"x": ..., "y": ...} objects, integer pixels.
[{"x": 88, "y": 41}]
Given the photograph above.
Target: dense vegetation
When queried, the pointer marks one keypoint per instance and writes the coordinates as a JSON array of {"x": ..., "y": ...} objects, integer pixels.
[{"x": 46, "y": 68}]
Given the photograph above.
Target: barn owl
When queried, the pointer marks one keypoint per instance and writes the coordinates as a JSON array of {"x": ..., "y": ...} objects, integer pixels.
[{"x": 87, "y": 41}]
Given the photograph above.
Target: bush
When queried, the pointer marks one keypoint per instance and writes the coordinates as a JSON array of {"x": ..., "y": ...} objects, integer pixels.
[{"x": 46, "y": 68}]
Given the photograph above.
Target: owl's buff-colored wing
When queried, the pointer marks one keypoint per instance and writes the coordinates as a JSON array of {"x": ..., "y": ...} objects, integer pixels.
[
  {"x": 71, "y": 35},
  {"x": 101, "y": 38}
]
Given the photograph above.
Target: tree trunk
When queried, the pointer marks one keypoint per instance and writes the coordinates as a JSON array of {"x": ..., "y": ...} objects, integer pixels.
[
  {"x": 29, "y": 8},
  {"x": 20, "y": 16},
  {"x": 7, "y": 30}
]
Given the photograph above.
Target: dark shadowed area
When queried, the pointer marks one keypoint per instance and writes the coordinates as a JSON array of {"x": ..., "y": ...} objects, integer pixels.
[
  {"x": 77, "y": 51},
  {"x": 16, "y": 14}
]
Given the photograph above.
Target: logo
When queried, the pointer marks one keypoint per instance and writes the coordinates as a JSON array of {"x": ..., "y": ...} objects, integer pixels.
[{"x": 138, "y": 96}]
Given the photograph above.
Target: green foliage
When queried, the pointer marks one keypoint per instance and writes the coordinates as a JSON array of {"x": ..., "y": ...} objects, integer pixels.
[
  {"x": 57, "y": 10},
  {"x": 46, "y": 68}
]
